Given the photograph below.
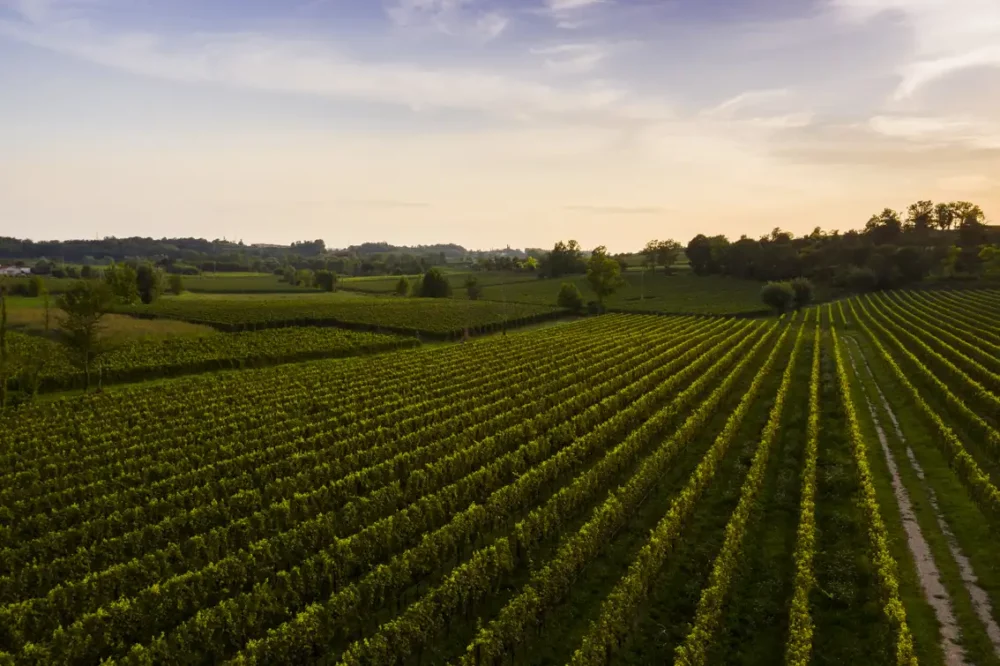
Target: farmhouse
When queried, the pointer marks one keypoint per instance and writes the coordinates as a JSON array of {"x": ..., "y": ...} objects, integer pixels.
[{"x": 14, "y": 271}]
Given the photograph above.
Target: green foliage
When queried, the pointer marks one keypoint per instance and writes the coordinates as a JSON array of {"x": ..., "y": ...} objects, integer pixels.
[
  {"x": 441, "y": 317},
  {"x": 570, "y": 297},
  {"x": 472, "y": 288},
  {"x": 122, "y": 282},
  {"x": 803, "y": 290},
  {"x": 564, "y": 259},
  {"x": 779, "y": 296},
  {"x": 149, "y": 282},
  {"x": 326, "y": 280},
  {"x": 434, "y": 284},
  {"x": 402, "y": 286},
  {"x": 603, "y": 274},
  {"x": 861, "y": 280},
  {"x": 661, "y": 253},
  {"x": 84, "y": 306},
  {"x": 149, "y": 358},
  {"x": 35, "y": 286},
  {"x": 176, "y": 284}
]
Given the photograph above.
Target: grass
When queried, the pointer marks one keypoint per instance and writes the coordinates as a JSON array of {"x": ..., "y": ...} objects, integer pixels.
[{"x": 27, "y": 315}]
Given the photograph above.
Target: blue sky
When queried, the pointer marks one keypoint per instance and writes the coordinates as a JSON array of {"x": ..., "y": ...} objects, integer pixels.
[{"x": 490, "y": 122}]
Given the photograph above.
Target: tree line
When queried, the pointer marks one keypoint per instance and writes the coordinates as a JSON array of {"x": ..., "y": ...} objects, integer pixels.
[{"x": 944, "y": 239}]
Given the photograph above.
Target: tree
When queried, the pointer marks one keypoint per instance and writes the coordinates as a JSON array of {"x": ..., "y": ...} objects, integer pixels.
[
  {"x": 603, "y": 274},
  {"x": 434, "y": 284},
  {"x": 86, "y": 272},
  {"x": 149, "y": 282},
  {"x": 778, "y": 295},
  {"x": 920, "y": 216},
  {"x": 861, "y": 279},
  {"x": 122, "y": 282},
  {"x": 699, "y": 253},
  {"x": 35, "y": 286},
  {"x": 402, "y": 287},
  {"x": 326, "y": 280},
  {"x": 661, "y": 253},
  {"x": 803, "y": 290},
  {"x": 564, "y": 259},
  {"x": 176, "y": 284},
  {"x": 944, "y": 216},
  {"x": 885, "y": 227},
  {"x": 472, "y": 288},
  {"x": 570, "y": 297},
  {"x": 84, "y": 306},
  {"x": 990, "y": 258},
  {"x": 530, "y": 264}
]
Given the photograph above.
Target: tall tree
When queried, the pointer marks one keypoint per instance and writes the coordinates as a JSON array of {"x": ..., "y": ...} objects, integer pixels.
[
  {"x": 84, "y": 305},
  {"x": 944, "y": 216},
  {"x": 149, "y": 282},
  {"x": 122, "y": 283},
  {"x": 603, "y": 274},
  {"x": 920, "y": 215}
]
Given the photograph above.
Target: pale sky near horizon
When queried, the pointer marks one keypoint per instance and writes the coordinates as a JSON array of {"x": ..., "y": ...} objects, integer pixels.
[{"x": 490, "y": 122}]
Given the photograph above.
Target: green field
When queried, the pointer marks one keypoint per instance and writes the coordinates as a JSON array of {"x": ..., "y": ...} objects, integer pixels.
[
  {"x": 239, "y": 283},
  {"x": 820, "y": 488},
  {"x": 432, "y": 317}
]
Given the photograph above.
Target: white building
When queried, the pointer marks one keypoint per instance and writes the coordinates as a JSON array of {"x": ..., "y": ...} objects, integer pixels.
[{"x": 14, "y": 271}]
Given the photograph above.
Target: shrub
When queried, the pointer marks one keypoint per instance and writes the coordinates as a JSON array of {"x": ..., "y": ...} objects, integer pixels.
[
  {"x": 778, "y": 295},
  {"x": 570, "y": 297},
  {"x": 861, "y": 279},
  {"x": 434, "y": 284},
  {"x": 803, "y": 289}
]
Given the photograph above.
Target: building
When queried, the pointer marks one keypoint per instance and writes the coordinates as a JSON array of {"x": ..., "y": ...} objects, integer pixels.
[{"x": 14, "y": 271}]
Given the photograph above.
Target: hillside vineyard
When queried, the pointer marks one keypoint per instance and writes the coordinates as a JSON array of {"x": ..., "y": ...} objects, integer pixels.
[{"x": 627, "y": 489}]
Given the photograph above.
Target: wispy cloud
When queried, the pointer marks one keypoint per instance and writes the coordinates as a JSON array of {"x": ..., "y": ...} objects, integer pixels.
[
  {"x": 297, "y": 65},
  {"x": 749, "y": 99},
  {"x": 571, "y": 14},
  {"x": 457, "y": 18},
  {"x": 573, "y": 58},
  {"x": 948, "y": 36},
  {"x": 939, "y": 131}
]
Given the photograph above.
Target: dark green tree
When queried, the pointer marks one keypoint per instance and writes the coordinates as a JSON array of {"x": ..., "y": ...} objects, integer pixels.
[
  {"x": 434, "y": 284},
  {"x": 149, "y": 282},
  {"x": 778, "y": 295},
  {"x": 472, "y": 288}
]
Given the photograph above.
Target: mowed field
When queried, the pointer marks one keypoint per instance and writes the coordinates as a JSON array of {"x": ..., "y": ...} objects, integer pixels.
[{"x": 622, "y": 489}]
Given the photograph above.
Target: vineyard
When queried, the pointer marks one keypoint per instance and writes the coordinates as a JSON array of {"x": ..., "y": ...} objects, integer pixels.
[
  {"x": 442, "y": 318},
  {"x": 622, "y": 489},
  {"x": 147, "y": 358}
]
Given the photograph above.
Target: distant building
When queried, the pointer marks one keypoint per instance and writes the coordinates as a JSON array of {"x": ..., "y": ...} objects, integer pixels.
[{"x": 14, "y": 271}]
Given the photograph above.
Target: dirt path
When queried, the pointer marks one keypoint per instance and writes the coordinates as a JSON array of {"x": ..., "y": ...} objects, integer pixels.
[
  {"x": 927, "y": 570},
  {"x": 980, "y": 600}
]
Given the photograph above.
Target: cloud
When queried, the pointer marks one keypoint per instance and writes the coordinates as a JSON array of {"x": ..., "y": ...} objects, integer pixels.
[
  {"x": 573, "y": 58},
  {"x": 747, "y": 99},
  {"x": 618, "y": 210},
  {"x": 313, "y": 67},
  {"x": 947, "y": 35},
  {"x": 939, "y": 131},
  {"x": 570, "y": 14},
  {"x": 457, "y": 18}
]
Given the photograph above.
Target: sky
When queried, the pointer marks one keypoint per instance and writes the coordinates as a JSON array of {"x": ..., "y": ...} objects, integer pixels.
[{"x": 490, "y": 122}]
